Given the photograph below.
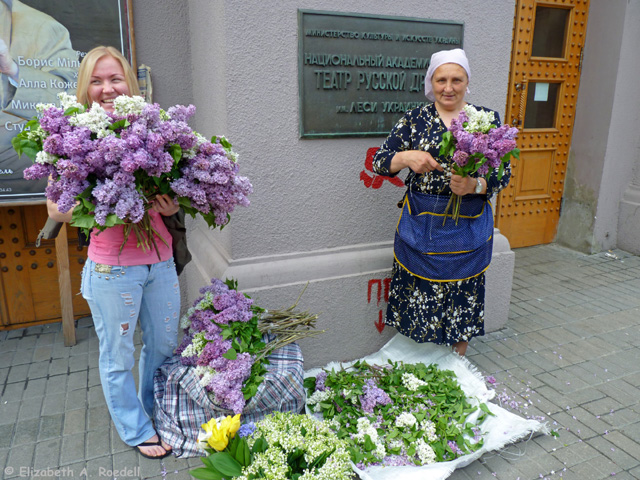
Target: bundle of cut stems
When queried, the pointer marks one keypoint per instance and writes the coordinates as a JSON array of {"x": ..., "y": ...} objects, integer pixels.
[{"x": 287, "y": 325}]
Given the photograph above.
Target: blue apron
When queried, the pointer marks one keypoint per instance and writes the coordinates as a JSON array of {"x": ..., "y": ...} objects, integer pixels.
[{"x": 431, "y": 250}]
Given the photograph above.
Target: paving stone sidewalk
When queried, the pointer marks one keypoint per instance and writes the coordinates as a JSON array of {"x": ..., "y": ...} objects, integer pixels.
[{"x": 569, "y": 356}]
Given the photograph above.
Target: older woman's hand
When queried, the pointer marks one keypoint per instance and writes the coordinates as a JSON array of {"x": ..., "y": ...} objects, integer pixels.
[
  {"x": 416, "y": 160},
  {"x": 164, "y": 205},
  {"x": 465, "y": 185}
]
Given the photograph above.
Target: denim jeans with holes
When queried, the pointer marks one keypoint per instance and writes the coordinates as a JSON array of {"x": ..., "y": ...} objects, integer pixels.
[{"x": 119, "y": 297}]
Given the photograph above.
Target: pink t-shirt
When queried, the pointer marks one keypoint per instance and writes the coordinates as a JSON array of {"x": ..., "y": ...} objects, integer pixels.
[{"x": 105, "y": 246}]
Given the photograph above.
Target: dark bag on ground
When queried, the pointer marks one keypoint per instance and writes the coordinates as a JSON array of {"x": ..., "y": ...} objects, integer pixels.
[{"x": 182, "y": 405}]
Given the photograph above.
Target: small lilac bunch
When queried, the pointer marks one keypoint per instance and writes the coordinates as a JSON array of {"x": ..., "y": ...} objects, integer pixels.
[
  {"x": 227, "y": 340},
  {"x": 108, "y": 166},
  {"x": 477, "y": 147},
  {"x": 222, "y": 341}
]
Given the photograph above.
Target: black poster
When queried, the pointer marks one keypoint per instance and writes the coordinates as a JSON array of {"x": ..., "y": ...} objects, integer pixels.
[{"x": 42, "y": 43}]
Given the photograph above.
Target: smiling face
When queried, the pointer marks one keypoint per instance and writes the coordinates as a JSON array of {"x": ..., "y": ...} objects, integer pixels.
[
  {"x": 107, "y": 82},
  {"x": 449, "y": 84}
]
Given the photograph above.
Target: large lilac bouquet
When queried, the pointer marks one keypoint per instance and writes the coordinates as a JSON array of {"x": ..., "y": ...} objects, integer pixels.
[
  {"x": 477, "y": 147},
  {"x": 225, "y": 341},
  {"x": 108, "y": 166}
]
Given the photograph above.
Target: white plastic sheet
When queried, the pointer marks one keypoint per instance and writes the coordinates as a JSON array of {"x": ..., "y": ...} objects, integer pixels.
[{"x": 499, "y": 430}]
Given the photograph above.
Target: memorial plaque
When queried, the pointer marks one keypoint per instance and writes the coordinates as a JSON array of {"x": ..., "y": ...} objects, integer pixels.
[
  {"x": 46, "y": 40},
  {"x": 359, "y": 73}
]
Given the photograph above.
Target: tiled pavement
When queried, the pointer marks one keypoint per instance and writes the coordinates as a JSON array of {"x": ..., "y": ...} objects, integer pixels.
[{"x": 570, "y": 353}]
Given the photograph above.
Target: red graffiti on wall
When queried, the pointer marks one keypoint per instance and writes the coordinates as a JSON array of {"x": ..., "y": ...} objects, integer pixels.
[
  {"x": 377, "y": 282},
  {"x": 375, "y": 181}
]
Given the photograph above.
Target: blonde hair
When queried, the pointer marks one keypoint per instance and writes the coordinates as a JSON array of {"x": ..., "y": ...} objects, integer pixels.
[{"x": 89, "y": 64}]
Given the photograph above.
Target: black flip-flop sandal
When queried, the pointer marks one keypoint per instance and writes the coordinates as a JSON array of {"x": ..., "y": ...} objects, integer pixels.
[{"x": 152, "y": 444}]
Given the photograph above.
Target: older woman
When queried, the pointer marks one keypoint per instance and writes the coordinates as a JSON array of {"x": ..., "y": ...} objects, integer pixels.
[
  {"x": 124, "y": 285},
  {"x": 426, "y": 303}
]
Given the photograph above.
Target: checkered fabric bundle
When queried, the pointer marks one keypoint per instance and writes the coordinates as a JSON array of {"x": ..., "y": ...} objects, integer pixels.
[{"x": 182, "y": 404}]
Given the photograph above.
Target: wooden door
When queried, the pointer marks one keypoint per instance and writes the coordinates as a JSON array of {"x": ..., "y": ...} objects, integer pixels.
[
  {"x": 29, "y": 289},
  {"x": 548, "y": 40}
]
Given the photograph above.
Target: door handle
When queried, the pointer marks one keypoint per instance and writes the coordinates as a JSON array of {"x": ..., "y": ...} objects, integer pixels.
[{"x": 522, "y": 88}]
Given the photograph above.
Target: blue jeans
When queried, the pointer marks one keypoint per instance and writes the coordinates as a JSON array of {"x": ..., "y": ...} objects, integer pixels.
[{"x": 118, "y": 297}]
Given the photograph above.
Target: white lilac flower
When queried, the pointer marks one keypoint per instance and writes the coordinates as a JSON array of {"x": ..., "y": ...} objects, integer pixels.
[
  {"x": 395, "y": 443},
  {"x": 405, "y": 419},
  {"x": 69, "y": 101},
  {"x": 425, "y": 452},
  {"x": 36, "y": 134},
  {"x": 196, "y": 346},
  {"x": 95, "y": 119},
  {"x": 380, "y": 451},
  {"x": 479, "y": 120},
  {"x": 206, "y": 302},
  {"x": 44, "y": 158},
  {"x": 41, "y": 107},
  {"x": 185, "y": 321},
  {"x": 365, "y": 428},
  {"x": 205, "y": 376},
  {"x": 429, "y": 429},
  {"x": 125, "y": 105},
  {"x": 411, "y": 382},
  {"x": 319, "y": 396}
]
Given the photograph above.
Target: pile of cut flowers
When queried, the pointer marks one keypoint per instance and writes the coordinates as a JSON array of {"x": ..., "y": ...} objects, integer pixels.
[
  {"x": 109, "y": 166},
  {"x": 282, "y": 446},
  {"x": 398, "y": 414},
  {"x": 227, "y": 340}
]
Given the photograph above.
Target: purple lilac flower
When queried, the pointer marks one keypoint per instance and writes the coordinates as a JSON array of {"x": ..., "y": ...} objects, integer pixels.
[
  {"x": 373, "y": 395},
  {"x": 38, "y": 171},
  {"x": 233, "y": 307},
  {"x": 454, "y": 446},
  {"x": 320, "y": 379},
  {"x": 213, "y": 351},
  {"x": 53, "y": 144},
  {"x": 181, "y": 113},
  {"x": 53, "y": 120},
  {"x": 396, "y": 461},
  {"x": 461, "y": 158},
  {"x": 480, "y": 144},
  {"x": 457, "y": 124},
  {"x": 464, "y": 141},
  {"x": 226, "y": 385},
  {"x": 503, "y": 146}
]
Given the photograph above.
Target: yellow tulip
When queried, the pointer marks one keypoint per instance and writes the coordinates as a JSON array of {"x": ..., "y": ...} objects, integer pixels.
[
  {"x": 219, "y": 432},
  {"x": 210, "y": 425},
  {"x": 231, "y": 425},
  {"x": 218, "y": 440}
]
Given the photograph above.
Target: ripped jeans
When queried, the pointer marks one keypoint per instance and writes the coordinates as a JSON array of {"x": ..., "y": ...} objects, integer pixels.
[{"x": 118, "y": 297}]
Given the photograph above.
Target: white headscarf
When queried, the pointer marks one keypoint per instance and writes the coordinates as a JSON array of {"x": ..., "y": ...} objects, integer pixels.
[{"x": 456, "y": 55}]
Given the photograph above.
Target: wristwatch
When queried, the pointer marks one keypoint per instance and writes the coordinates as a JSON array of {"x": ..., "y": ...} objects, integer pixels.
[{"x": 478, "y": 185}]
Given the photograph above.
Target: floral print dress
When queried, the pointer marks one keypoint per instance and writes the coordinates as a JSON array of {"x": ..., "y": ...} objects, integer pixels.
[{"x": 424, "y": 310}]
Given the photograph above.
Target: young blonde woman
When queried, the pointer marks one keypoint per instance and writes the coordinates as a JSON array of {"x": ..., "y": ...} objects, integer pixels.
[{"x": 125, "y": 287}]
